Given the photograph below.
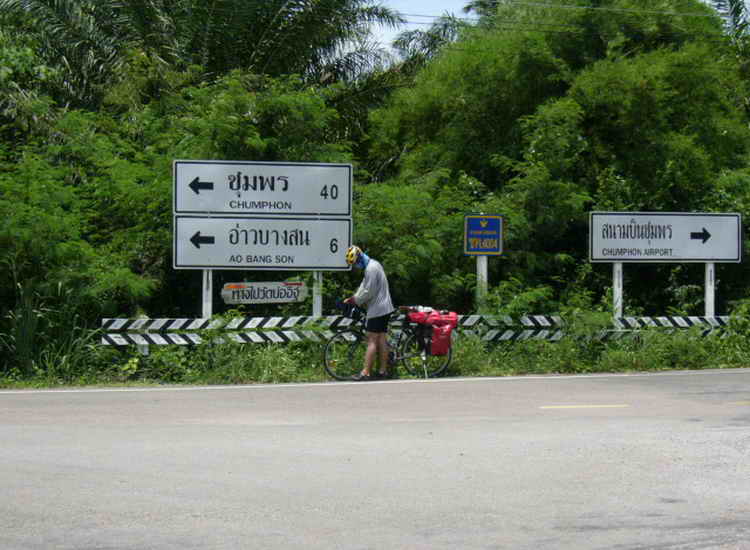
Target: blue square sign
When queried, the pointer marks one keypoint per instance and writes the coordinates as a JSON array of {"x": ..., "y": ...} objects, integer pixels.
[{"x": 483, "y": 235}]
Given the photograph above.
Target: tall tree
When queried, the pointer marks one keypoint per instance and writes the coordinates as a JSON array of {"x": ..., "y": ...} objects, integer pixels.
[
  {"x": 737, "y": 21},
  {"x": 417, "y": 47},
  {"x": 628, "y": 106},
  {"x": 308, "y": 37},
  {"x": 92, "y": 40}
]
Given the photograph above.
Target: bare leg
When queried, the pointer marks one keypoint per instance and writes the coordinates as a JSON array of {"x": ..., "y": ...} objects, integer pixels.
[
  {"x": 371, "y": 353},
  {"x": 383, "y": 352}
]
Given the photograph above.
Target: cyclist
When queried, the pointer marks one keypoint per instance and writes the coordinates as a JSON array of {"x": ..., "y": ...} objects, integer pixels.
[{"x": 374, "y": 296}]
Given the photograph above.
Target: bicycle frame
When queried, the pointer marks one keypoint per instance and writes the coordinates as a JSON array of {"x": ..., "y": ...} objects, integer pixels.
[
  {"x": 409, "y": 345},
  {"x": 358, "y": 316}
]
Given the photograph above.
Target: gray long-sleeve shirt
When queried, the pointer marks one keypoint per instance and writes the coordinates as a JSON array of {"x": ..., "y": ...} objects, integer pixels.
[{"x": 373, "y": 293}]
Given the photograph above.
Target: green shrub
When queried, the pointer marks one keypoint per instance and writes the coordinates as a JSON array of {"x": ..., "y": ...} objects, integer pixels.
[
  {"x": 471, "y": 357},
  {"x": 79, "y": 359}
]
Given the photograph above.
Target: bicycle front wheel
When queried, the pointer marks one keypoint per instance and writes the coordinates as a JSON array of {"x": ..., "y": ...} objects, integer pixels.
[
  {"x": 344, "y": 354},
  {"x": 419, "y": 362}
]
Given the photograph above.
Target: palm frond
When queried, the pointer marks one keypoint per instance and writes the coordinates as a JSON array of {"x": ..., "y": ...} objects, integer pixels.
[{"x": 419, "y": 46}]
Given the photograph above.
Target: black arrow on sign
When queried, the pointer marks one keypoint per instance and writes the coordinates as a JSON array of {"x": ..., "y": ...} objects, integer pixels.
[
  {"x": 197, "y": 240},
  {"x": 196, "y": 185},
  {"x": 704, "y": 235}
]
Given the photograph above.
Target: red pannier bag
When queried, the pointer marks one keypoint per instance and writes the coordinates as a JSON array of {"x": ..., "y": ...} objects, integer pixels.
[
  {"x": 443, "y": 323},
  {"x": 442, "y": 318},
  {"x": 440, "y": 343},
  {"x": 420, "y": 314}
]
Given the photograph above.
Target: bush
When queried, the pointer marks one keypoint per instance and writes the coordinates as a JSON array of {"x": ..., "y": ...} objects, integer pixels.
[
  {"x": 225, "y": 362},
  {"x": 79, "y": 359}
]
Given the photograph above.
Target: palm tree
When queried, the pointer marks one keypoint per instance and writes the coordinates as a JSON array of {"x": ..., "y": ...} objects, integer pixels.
[
  {"x": 483, "y": 8},
  {"x": 69, "y": 36},
  {"x": 736, "y": 13},
  {"x": 307, "y": 37},
  {"x": 91, "y": 40},
  {"x": 417, "y": 47},
  {"x": 736, "y": 16}
]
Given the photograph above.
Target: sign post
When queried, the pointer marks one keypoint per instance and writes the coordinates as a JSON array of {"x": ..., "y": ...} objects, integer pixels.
[
  {"x": 483, "y": 236},
  {"x": 317, "y": 293},
  {"x": 617, "y": 288},
  {"x": 207, "y": 307},
  {"x": 670, "y": 237},
  {"x": 482, "y": 281},
  {"x": 710, "y": 290},
  {"x": 261, "y": 216}
]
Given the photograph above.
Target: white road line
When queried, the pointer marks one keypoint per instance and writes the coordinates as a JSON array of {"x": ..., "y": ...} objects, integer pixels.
[
  {"x": 548, "y": 378},
  {"x": 584, "y": 407}
]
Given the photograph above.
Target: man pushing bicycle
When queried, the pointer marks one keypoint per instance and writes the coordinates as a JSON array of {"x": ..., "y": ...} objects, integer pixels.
[{"x": 373, "y": 295}]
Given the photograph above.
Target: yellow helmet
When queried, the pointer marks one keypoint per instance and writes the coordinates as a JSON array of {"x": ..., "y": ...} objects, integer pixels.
[{"x": 352, "y": 254}]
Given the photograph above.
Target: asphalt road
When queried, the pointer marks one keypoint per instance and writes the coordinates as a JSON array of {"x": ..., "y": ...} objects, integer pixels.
[{"x": 586, "y": 462}]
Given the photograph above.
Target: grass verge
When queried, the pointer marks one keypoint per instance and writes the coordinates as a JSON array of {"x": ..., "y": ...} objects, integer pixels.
[{"x": 581, "y": 350}]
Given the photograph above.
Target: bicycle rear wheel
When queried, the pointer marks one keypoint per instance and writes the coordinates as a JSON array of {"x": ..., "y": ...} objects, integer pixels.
[
  {"x": 420, "y": 363},
  {"x": 344, "y": 354}
]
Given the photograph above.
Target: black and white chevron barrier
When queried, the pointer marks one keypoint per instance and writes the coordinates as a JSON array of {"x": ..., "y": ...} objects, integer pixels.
[
  {"x": 630, "y": 323},
  {"x": 507, "y": 329},
  {"x": 254, "y": 330},
  {"x": 284, "y": 330},
  {"x": 238, "y": 323},
  {"x": 186, "y": 339},
  {"x": 627, "y": 326}
]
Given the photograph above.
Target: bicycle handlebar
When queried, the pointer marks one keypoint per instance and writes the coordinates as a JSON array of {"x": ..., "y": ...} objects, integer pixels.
[{"x": 353, "y": 311}]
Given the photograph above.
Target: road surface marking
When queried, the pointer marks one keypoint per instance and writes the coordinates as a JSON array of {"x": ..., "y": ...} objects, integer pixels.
[{"x": 584, "y": 407}]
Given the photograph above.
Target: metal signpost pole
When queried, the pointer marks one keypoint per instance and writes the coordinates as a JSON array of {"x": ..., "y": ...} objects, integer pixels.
[
  {"x": 710, "y": 290},
  {"x": 482, "y": 281},
  {"x": 617, "y": 288},
  {"x": 317, "y": 294},
  {"x": 208, "y": 287}
]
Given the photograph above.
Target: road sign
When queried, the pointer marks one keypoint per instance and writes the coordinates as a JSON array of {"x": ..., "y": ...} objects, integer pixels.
[
  {"x": 264, "y": 293},
  {"x": 262, "y": 188},
  {"x": 226, "y": 242},
  {"x": 483, "y": 235},
  {"x": 645, "y": 237}
]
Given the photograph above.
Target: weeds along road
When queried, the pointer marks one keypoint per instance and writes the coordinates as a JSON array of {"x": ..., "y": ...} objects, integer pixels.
[{"x": 609, "y": 461}]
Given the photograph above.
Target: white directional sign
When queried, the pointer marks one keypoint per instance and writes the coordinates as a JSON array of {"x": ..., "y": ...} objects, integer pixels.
[
  {"x": 262, "y": 188},
  {"x": 664, "y": 237},
  {"x": 225, "y": 242}
]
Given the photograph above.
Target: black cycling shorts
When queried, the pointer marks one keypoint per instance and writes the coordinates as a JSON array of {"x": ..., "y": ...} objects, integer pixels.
[{"x": 378, "y": 324}]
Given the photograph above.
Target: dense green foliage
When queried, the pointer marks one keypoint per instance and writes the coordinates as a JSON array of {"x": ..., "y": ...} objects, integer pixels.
[
  {"x": 626, "y": 111},
  {"x": 536, "y": 112},
  {"x": 580, "y": 351}
]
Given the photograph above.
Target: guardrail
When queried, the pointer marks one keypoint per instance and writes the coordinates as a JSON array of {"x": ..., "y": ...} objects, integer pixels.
[{"x": 283, "y": 330}]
